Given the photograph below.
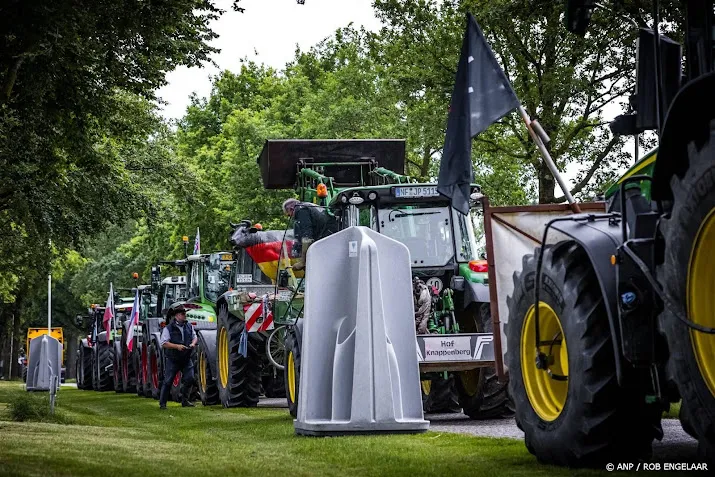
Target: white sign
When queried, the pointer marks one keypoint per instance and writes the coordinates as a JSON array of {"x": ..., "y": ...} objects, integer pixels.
[
  {"x": 448, "y": 348},
  {"x": 416, "y": 191},
  {"x": 244, "y": 278},
  {"x": 352, "y": 249}
]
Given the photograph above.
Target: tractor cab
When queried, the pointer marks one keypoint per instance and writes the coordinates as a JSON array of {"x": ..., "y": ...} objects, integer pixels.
[
  {"x": 208, "y": 276},
  {"x": 171, "y": 290}
]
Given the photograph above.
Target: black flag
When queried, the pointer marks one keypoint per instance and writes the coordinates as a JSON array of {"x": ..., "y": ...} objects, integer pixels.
[{"x": 481, "y": 96}]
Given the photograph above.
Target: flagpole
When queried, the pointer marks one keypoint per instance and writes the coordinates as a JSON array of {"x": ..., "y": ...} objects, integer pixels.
[{"x": 530, "y": 125}]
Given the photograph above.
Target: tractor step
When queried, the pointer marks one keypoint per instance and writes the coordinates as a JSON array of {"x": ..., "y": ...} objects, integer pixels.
[{"x": 456, "y": 352}]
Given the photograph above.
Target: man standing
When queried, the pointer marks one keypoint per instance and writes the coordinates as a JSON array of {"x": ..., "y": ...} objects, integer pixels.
[
  {"x": 310, "y": 223},
  {"x": 178, "y": 339}
]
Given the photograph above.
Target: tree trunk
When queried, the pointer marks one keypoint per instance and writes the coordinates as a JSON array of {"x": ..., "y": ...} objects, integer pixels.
[{"x": 546, "y": 185}]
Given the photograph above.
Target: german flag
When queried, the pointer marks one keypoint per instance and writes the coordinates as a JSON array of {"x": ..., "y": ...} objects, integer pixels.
[{"x": 264, "y": 248}]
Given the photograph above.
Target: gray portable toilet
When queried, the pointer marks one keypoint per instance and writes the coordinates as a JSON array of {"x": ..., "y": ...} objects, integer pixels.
[
  {"x": 45, "y": 363},
  {"x": 359, "y": 371}
]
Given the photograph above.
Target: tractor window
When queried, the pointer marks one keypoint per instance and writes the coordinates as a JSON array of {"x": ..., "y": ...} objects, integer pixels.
[
  {"x": 466, "y": 244},
  {"x": 193, "y": 281},
  {"x": 173, "y": 293},
  {"x": 246, "y": 266},
  {"x": 425, "y": 230},
  {"x": 217, "y": 277}
]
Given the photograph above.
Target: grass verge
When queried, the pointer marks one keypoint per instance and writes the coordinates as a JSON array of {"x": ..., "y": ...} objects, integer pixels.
[{"x": 124, "y": 434}]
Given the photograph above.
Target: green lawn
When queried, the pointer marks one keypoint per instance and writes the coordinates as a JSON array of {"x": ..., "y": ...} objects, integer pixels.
[{"x": 117, "y": 434}]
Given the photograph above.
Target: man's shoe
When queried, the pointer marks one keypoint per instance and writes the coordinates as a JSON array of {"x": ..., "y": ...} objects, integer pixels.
[
  {"x": 187, "y": 404},
  {"x": 162, "y": 408}
]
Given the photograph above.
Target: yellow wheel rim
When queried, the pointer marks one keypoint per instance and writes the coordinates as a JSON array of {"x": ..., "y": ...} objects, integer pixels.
[
  {"x": 223, "y": 356},
  {"x": 291, "y": 376},
  {"x": 470, "y": 381},
  {"x": 426, "y": 386},
  {"x": 546, "y": 395},
  {"x": 701, "y": 298},
  {"x": 202, "y": 372}
]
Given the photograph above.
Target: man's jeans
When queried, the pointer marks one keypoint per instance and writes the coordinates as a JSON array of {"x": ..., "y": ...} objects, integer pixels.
[{"x": 187, "y": 379}]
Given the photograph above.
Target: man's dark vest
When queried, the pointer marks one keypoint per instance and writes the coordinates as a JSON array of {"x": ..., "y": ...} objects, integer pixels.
[{"x": 175, "y": 337}]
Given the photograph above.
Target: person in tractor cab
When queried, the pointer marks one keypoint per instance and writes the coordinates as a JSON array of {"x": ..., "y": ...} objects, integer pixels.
[
  {"x": 310, "y": 223},
  {"x": 178, "y": 339}
]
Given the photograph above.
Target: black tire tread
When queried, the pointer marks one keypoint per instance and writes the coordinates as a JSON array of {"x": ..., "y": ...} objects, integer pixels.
[
  {"x": 600, "y": 422},
  {"x": 693, "y": 196}
]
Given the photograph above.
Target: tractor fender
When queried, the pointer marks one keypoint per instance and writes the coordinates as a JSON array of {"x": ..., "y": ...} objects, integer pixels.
[
  {"x": 84, "y": 343},
  {"x": 475, "y": 293},
  {"x": 688, "y": 120},
  {"x": 101, "y": 337},
  {"x": 207, "y": 339},
  {"x": 601, "y": 240}
]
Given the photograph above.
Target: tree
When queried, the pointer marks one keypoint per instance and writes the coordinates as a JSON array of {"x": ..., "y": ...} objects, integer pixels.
[{"x": 561, "y": 79}]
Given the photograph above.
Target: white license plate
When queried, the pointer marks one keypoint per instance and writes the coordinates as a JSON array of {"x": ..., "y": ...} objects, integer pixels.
[
  {"x": 284, "y": 295},
  {"x": 244, "y": 278},
  {"x": 411, "y": 192}
]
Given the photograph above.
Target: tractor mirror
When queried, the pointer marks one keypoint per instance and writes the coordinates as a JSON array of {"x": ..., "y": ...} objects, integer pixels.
[
  {"x": 283, "y": 279},
  {"x": 79, "y": 320},
  {"x": 578, "y": 15}
]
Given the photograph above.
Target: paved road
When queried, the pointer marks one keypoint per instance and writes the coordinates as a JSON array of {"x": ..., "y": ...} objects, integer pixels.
[{"x": 676, "y": 446}]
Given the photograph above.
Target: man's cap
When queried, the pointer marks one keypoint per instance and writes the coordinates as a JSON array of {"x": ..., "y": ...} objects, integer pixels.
[{"x": 180, "y": 306}]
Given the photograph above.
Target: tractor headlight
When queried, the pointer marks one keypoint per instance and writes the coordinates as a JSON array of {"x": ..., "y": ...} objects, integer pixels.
[{"x": 372, "y": 195}]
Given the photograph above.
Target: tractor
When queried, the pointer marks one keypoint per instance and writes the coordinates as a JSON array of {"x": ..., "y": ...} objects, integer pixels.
[
  {"x": 360, "y": 183},
  {"x": 614, "y": 320},
  {"x": 95, "y": 356},
  {"x": 236, "y": 289},
  {"x": 168, "y": 291}
]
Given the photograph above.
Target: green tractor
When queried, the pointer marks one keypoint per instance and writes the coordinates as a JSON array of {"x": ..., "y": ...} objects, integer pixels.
[
  {"x": 614, "y": 322},
  {"x": 355, "y": 183},
  {"x": 236, "y": 290}
]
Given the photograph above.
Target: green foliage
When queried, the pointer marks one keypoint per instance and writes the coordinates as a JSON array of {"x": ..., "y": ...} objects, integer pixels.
[{"x": 25, "y": 406}]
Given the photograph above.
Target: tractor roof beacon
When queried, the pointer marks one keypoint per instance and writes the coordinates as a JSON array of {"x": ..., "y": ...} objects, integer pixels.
[
  {"x": 624, "y": 305},
  {"x": 362, "y": 183}
]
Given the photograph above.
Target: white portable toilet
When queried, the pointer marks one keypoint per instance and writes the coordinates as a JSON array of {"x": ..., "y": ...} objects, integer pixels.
[{"x": 359, "y": 371}]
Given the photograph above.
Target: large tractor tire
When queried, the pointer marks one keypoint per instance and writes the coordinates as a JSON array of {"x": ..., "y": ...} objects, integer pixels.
[
  {"x": 84, "y": 367},
  {"x": 208, "y": 388},
  {"x": 496, "y": 402},
  {"x": 129, "y": 373},
  {"x": 117, "y": 372},
  {"x": 688, "y": 279},
  {"x": 291, "y": 372},
  {"x": 273, "y": 383},
  {"x": 239, "y": 383},
  {"x": 439, "y": 395},
  {"x": 137, "y": 365},
  {"x": 102, "y": 379},
  {"x": 175, "y": 391},
  {"x": 156, "y": 368},
  {"x": 480, "y": 393},
  {"x": 577, "y": 415},
  {"x": 144, "y": 369}
]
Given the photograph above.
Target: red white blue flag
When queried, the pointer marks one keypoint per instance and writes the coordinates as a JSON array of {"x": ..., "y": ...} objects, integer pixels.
[
  {"x": 133, "y": 321},
  {"x": 108, "y": 311}
]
